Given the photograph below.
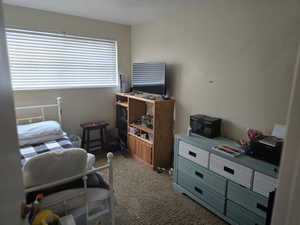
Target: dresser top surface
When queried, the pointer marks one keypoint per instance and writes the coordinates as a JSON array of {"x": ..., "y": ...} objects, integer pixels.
[{"x": 255, "y": 164}]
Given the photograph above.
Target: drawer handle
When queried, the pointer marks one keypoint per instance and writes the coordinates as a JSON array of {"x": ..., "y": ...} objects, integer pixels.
[
  {"x": 198, "y": 190},
  {"x": 261, "y": 207},
  {"x": 199, "y": 174},
  {"x": 228, "y": 170},
  {"x": 192, "y": 154}
]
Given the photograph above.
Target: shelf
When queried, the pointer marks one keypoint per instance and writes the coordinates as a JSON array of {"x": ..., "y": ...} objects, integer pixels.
[
  {"x": 140, "y": 97},
  {"x": 143, "y": 128},
  {"x": 148, "y": 149},
  {"x": 142, "y": 139},
  {"x": 124, "y": 104}
]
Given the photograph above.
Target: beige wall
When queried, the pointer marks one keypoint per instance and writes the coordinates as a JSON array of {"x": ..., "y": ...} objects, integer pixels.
[
  {"x": 80, "y": 105},
  {"x": 231, "y": 59}
]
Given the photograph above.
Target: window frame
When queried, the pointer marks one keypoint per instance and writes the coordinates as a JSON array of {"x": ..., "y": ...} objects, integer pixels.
[{"x": 80, "y": 37}]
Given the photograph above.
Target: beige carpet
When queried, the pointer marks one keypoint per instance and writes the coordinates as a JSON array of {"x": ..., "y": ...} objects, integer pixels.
[{"x": 146, "y": 198}]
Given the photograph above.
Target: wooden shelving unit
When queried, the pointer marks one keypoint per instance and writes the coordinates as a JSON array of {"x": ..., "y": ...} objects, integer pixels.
[{"x": 157, "y": 152}]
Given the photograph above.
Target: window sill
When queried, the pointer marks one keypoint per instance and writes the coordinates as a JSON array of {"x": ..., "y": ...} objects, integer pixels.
[{"x": 65, "y": 88}]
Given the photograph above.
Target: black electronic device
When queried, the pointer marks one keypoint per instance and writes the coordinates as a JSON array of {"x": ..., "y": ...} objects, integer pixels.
[
  {"x": 271, "y": 202},
  {"x": 267, "y": 148},
  {"x": 205, "y": 125},
  {"x": 149, "y": 78},
  {"x": 121, "y": 124}
]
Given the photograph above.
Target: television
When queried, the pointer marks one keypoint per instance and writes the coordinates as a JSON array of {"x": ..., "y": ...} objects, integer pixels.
[{"x": 149, "y": 78}]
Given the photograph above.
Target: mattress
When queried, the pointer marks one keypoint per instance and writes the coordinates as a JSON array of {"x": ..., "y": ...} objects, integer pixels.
[{"x": 60, "y": 144}]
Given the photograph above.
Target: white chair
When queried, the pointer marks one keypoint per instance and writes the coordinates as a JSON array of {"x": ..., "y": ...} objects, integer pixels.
[{"x": 53, "y": 169}]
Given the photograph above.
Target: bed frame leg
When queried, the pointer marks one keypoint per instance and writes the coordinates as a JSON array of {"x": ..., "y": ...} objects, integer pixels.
[
  {"x": 86, "y": 198},
  {"x": 111, "y": 185},
  {"x": 59, "y": 109},
  {"x": 110, "y": 169}
]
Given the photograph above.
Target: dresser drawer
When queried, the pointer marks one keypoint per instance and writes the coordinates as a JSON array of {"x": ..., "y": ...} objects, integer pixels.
[
  {"x": 211, "y": 179},
  {"x": 202, "y": 191},
  {"x": 194, "y": 154},
  {"x": 248, "y": 199},
  {"x": 233, "y": 171},
  {"x": 264, "y": 184},
  {"x": 242, "y": 216}
]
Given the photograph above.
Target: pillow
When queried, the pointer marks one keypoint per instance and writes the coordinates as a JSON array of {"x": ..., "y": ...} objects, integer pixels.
[{"x": 40, "y": 132}]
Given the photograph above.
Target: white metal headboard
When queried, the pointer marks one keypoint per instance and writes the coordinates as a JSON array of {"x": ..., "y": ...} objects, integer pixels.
[{"x": 42, "y": 108}]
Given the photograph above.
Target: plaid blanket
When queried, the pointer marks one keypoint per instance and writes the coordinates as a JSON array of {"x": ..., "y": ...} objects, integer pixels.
[{"x": 28, "y": 152}]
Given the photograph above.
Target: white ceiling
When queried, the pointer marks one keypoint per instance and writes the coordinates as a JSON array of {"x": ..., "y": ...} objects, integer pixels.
[{"x": 120, "y": 11}]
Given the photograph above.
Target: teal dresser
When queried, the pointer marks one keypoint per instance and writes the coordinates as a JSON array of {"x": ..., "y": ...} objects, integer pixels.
[{"x": 235, "y": 189}]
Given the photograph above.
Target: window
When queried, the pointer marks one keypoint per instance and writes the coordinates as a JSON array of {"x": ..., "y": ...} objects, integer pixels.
[{"x": 40, "y": 60}]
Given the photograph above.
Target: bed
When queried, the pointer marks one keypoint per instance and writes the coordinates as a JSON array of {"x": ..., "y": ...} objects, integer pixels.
[
  {"x": 35, "y": 137},
  {"x": 32, "y": 130},
  {"x": 67, "y": 172}
]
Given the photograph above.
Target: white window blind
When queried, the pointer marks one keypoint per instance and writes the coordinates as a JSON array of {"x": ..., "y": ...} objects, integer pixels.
[{"x": 40, "y": 60}]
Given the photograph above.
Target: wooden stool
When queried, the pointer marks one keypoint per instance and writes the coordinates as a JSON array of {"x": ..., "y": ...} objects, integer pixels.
[{"x": 86, "y": 130}]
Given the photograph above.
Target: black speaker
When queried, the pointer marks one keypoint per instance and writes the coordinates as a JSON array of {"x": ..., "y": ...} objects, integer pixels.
[{"x": 205, "y": 125}]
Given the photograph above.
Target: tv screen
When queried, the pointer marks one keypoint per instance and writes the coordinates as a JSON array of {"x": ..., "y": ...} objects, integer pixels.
[{"x": 149, "y": 78}]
